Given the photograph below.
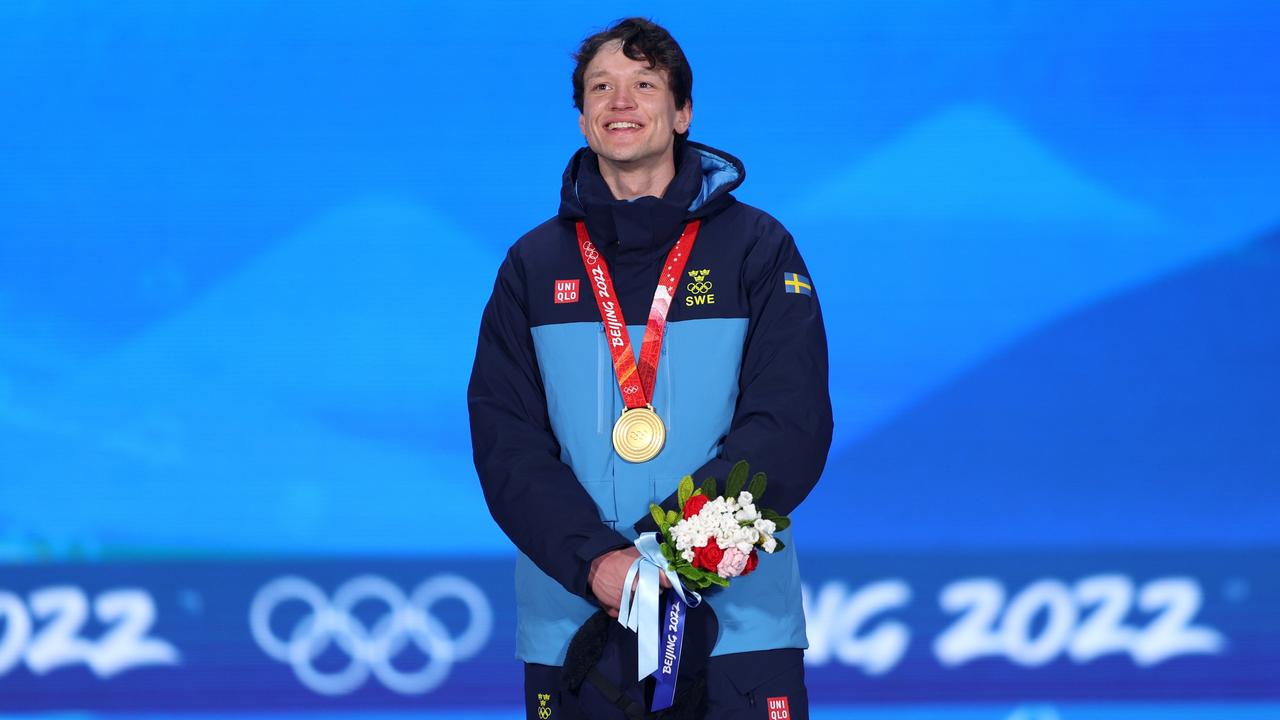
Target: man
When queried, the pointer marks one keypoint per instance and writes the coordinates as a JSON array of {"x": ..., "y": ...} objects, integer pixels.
[{"x": 741, "y": 374}]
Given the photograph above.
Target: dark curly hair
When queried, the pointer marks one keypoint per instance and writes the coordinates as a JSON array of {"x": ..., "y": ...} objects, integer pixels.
[{"x": 641, "y": 40}]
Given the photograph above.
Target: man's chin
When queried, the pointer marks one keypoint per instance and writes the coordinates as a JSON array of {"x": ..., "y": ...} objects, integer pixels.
[
  {"x": 621, "y": 161},
  {"x": 628, "y": 158}
]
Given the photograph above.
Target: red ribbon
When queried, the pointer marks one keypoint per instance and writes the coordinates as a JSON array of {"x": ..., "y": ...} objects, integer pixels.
[{"x": 635, "y": 382}]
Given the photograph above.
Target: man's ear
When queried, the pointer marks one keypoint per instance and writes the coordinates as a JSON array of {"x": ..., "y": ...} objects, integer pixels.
[
  {"x": 582, "y": 124},
  {"x": 684, "y": 117}
]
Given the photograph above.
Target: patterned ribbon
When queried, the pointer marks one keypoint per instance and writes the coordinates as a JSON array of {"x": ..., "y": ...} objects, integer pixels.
[{"x": 635, "y": 384}]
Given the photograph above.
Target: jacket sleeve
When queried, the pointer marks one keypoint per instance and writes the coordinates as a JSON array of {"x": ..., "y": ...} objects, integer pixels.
[
  {"x": 782, "y": 422},
  {"x": 533, "y": 496}
]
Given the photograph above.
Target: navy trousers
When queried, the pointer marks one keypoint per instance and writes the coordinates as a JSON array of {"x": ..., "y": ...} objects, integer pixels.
[{"x": 765, "y": 685}]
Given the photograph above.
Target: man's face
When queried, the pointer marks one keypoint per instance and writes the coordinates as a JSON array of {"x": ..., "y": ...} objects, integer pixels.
[{"x": 628, "y": 112}]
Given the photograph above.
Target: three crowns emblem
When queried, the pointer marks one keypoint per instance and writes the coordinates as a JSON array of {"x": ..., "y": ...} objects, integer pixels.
[
  {"x": 544, "y": 712},
  {"x": 700, "y": 289},
  {"x": 699, "y": 286}
]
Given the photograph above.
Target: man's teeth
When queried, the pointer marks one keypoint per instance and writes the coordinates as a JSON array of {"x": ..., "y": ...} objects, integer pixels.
[{"x": 620, "y": 125}]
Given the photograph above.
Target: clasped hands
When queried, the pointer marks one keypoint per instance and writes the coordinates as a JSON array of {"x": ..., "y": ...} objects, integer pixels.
[{"x": 607, "y": 574}]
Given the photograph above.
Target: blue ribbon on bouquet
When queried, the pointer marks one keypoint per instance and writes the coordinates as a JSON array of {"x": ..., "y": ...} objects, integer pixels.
[{"x": 639, "y": 613}]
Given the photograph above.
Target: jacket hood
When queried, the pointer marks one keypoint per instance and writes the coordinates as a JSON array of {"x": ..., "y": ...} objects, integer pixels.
[{"x": 704, "y": 179}]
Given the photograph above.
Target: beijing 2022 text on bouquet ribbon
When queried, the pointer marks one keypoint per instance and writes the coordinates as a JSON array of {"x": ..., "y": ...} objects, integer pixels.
[{"x": 711, "y": 540}]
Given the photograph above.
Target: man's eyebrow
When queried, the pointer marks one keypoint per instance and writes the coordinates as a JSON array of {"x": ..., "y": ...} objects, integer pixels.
[{"x": 639, "y": 71}]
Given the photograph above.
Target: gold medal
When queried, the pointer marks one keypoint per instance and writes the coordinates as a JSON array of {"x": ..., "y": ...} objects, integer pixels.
[{"x": 639, "y": 434}]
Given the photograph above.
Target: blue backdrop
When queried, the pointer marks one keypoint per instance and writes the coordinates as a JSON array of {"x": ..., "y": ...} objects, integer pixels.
[{"x": 244, "y": 247}]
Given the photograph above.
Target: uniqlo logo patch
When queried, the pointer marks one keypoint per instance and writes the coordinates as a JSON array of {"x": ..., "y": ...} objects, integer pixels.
[
  {"x": 566, "y": 291},
  {"x": 778, "y": 708}
]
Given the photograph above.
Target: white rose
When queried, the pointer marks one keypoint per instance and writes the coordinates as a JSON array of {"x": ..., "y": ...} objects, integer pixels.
[
  {"x": 687, "y": 555},
  {"x": 768, "y": 527},
  {"x": 770, "y": 545},
  {"x": 744, "y": 498}
]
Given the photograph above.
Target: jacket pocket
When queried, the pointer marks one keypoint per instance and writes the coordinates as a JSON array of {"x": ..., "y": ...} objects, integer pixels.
[
  {"x": 750, "y": 679},
  {"x": 606, "y": 500}
]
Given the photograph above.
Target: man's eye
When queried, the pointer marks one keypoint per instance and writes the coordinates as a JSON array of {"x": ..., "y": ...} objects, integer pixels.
[
  {"x": 600, "y": 86},
  {"x": 646, "y": 85}
]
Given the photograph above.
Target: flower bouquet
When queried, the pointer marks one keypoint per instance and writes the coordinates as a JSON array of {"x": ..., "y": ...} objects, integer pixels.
[{"x": 715, "y": 537}]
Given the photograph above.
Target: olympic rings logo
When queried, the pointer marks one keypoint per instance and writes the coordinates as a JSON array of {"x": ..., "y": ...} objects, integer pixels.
[
  {"x": 407, "y": 619},
  {"x": 699, "y": 288},
  {"x": 590, "y": 253}
]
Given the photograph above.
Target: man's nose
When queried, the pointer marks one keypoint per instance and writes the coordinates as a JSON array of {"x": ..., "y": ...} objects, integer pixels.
[{"x": 622, "y": 99}]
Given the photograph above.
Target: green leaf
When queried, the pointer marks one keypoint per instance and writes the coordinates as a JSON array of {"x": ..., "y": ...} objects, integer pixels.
[
  {"x": 672, "y": 517},
  {"x": 737, "y": 479},
  {"x": 698, "y": 578},
  {"x": 685, "y": 491},
  {"x": 782, "y": 523},
  {"x": 659, "y": 517},
  {"x": 667, "y": 553},
  {"x": 756, "y": 488},
  {"x": 709, "y": 488},
  {"x": 781, "y": 546}
]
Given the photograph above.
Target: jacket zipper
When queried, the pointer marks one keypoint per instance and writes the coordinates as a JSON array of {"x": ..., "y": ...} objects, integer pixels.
[{"x": 603, "y": 365}]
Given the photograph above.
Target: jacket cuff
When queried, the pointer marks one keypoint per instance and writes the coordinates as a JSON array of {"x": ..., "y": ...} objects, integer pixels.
[
  {"x": 716, "y": 468},
  {"x": 648, "y": 524},
  {"x": 598, "y": 543}
]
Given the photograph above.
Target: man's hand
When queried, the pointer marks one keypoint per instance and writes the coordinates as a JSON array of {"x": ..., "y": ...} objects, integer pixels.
[{"x": 607, "y": 575}]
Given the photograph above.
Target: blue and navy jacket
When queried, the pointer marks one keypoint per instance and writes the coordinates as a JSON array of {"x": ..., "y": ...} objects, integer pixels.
[{"x": 742, "y": 375}]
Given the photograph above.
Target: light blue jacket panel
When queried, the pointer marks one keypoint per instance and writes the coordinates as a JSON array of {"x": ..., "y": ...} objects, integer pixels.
[{"x": 695, "y": 395}]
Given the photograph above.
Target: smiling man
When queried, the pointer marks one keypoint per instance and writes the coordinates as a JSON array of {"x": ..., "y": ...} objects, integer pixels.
[
  {"x": 631, "y": 117},
  {"x": 574, "y": 437}
]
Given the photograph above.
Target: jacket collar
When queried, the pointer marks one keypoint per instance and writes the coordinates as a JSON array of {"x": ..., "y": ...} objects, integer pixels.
[{"x": 701, "y": 186}]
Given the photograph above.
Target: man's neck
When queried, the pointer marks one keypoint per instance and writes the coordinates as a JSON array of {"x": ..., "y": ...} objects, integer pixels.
[{"x": 629, "y": 183}]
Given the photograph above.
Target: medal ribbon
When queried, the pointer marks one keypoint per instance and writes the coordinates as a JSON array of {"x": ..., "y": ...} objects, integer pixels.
[{"x": 635, "y": 383}]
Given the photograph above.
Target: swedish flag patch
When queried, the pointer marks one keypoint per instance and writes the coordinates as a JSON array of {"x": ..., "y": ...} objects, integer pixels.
[{"x": 797, "y": 283}]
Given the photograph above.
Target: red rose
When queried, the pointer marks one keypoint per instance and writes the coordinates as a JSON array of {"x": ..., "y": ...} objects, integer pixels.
[
  {"x": 752, "y": 560},
  {"x": 709, "y": 557},
  {"x": 694, "y": 504}
]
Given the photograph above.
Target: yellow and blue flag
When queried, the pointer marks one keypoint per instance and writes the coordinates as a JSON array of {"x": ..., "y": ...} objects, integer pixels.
[{"x": 797, "y": 283}]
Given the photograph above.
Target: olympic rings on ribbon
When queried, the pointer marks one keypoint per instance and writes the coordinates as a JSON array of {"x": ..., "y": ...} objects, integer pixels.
[
  {"x": 371, "y": 649},
  {"x": 592, "y": 256}
]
